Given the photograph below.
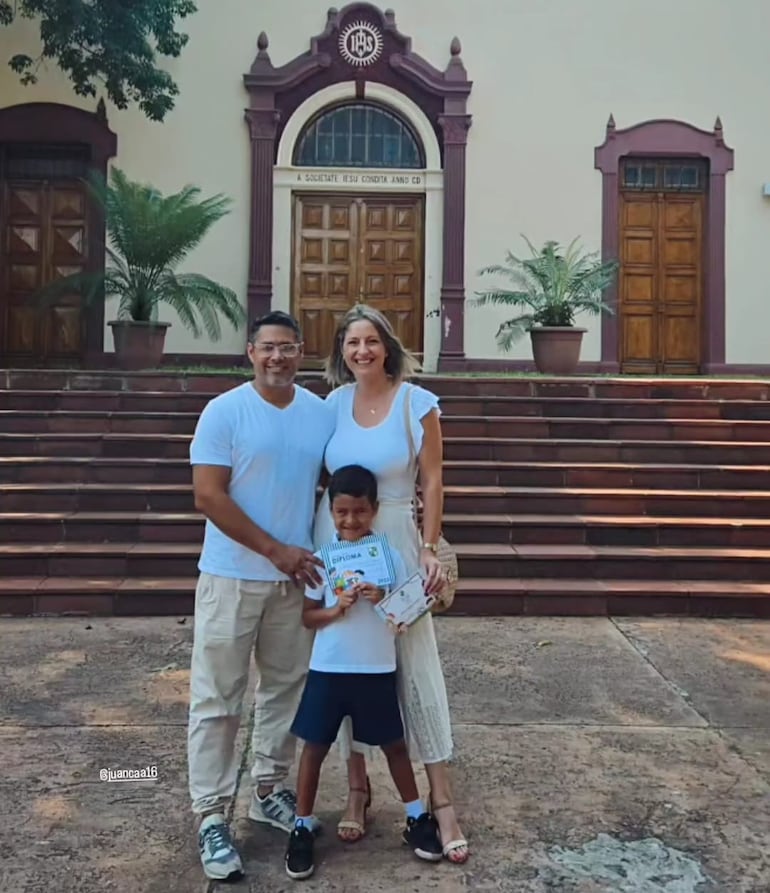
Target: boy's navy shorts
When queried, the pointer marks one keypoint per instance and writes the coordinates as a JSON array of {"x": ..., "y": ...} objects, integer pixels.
[{"x": 369, "y": 699}]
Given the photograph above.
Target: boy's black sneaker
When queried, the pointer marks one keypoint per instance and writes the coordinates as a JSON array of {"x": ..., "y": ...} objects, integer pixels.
[
  {"x": 299, "y": 854},
  {"x": 423, "y": 837}
]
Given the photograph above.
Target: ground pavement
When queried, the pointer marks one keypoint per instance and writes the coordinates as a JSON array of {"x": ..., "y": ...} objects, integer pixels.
[{"x": 593, "y": 756}]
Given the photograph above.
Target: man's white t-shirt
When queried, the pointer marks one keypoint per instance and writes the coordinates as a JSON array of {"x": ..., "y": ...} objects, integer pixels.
[
  {"x": 275, "y": 456},
  {"x": 360, "y": 641}
]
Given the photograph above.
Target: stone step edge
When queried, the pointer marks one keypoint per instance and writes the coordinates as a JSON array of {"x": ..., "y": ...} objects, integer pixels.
[
  {"x": 486, "y": 520},
  {"x": 168, "y": 374},
  {"x": 567, "y": 587},
  {"x": 656, "y": 467},
  {"x": 24, "y": 597},
  {"x": 25, "y": 437},
  {"x": 476, "y": 551},
  {"x": 155, "y": 415},
  {"x": 33, "y": 393},
  {"x": 480, "y": 491}
]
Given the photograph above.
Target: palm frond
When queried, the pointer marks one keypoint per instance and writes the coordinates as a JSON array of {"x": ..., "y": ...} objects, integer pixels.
[
  {"x": 555, "y": 283},
  {"x": 512, "y": 331},
  {"x": 500, "y": 296},
  {"x": 149, "y": 235},
  {"x": 201, "y": 302}
]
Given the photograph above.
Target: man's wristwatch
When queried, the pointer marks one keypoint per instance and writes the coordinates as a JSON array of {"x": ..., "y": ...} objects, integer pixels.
[{"x": 431, "y": 547}]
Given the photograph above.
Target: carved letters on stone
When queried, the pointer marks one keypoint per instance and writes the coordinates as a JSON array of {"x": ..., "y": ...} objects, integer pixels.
[{"x": 361, "y": 43}]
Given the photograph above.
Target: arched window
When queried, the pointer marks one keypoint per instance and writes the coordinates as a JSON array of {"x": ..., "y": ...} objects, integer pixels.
[{"x": 358, "y": 135}]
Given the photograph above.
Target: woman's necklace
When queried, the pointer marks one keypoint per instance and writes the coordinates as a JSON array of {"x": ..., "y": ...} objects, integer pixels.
[{"x": 382, "y": 402}]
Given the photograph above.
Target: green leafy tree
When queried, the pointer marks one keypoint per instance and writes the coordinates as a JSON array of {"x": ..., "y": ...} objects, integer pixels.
[
  {"x": 149, "y": 235},
  {"x": 113, "y": 43}
]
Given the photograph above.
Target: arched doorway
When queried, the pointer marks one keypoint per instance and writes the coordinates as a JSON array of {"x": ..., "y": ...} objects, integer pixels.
[
  {"x": 362, "y": 244},
  {"x": 368, "y": 76}
]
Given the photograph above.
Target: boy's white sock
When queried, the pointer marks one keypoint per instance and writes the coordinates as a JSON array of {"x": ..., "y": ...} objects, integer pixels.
[
  {"x": 304, "y": 821},
  {"x": 414, "y": 809}
]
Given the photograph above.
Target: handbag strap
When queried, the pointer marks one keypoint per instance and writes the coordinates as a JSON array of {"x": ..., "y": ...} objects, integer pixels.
[{"x": 408, "y": 425}]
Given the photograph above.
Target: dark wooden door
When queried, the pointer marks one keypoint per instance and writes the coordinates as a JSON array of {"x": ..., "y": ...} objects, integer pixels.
[
  {"x": 661, "y": 280},
  {"x": 351, "y": 249},
  {"x": 44, "y": 237}
]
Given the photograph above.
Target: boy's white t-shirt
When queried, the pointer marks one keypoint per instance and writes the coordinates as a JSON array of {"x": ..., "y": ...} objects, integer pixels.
[
  {"x": 275, "y": 456},
  {"x": 360, "y": 641}
]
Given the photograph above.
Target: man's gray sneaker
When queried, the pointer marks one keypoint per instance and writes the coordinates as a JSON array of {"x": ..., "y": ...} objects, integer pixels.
[
  {"x": 219, "y": 857},
  {"x": 278, "y": 809}
]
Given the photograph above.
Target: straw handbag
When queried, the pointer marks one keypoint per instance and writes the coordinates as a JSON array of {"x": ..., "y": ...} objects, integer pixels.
[{"x": 445, "y": 554}]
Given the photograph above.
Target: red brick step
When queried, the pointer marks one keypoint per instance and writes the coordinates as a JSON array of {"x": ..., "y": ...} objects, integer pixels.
[
  {"x": 166, "y": 596},
  {"x": 534, "y": 406},
  {"x": 123, "y": 470},
  {"x": 595, "y": 530},
  {"x": 458, "y": 449},
  {"x": 134, "y": 559},
  {"x": 149, "y": 497},
  {"x": 177, "y": 422}
]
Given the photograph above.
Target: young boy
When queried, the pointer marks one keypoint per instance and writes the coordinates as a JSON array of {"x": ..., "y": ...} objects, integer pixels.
[{"x": 353, "y": 673}]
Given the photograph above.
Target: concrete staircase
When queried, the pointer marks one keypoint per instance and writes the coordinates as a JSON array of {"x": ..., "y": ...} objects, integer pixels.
[{"x": 571, "y": 496}]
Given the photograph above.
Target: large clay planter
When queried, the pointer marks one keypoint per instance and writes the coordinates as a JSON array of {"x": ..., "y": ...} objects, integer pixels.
[
  {"x": 556, "y": 350},
  {"x": 138, "y": 345}
]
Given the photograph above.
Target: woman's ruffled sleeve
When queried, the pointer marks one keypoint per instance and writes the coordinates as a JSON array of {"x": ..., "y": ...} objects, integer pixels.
[
  {"x": 333, "y": 398},
  {"x": 420, "y": 404}
]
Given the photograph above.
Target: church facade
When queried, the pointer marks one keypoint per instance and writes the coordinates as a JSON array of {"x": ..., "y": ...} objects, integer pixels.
[{"x": 386, "y": 156}]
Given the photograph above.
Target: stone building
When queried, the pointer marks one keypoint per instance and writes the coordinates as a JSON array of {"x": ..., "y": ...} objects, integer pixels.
[{"x": 387, "y": 155}]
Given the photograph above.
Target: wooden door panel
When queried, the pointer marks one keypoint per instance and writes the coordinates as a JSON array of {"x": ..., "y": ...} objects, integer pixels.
[
  {"x": 391, "y": 252},
  {"x": 660, "y": 281},
  {"x": 681, "y": 275},
  {"x": 679, "y": 347},
  {"x": 21, "y": 330},
  {"x": 638, "y": 335},
  {"x": 67, "y": 253},
  {"x": 637, "y": 282},
  {"x": 349, "y": 249},
  {"x": 325, "y": 267},
  {"x": 679, "y": 251},
  {"x": 45, "y": 237}
]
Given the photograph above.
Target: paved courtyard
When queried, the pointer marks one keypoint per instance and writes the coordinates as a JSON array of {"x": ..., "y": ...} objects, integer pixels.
[{"x": 593, "y": 756}]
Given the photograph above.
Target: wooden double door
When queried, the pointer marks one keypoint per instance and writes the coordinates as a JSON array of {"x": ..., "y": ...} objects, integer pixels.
[
  {"x": 661, "y": 279},
  {"x": 44, "y": 229},
  {"x": 357, "y": 249}
]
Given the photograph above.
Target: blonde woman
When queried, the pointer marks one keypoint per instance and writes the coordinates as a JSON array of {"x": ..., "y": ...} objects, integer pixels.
[{"x": 368, "y": 368}]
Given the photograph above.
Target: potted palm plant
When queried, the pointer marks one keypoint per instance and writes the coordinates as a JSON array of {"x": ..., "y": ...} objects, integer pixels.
[
  {"x": 149, "y": 235},
  {"x": 551, "y": 287}
]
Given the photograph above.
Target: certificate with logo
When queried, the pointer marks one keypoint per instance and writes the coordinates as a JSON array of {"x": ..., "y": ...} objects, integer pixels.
[
  {"x": 405, "y": 605},
  {"x": 367, "y": 560}
]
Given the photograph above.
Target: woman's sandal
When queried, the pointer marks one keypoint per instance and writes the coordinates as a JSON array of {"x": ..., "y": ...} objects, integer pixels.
[
  {"x": 350, "y": 824},
  {"x": 451, "y": 850}
]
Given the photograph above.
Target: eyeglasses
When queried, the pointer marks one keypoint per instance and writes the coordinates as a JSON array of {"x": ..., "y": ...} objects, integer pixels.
[{"x": 266, "y": 349}]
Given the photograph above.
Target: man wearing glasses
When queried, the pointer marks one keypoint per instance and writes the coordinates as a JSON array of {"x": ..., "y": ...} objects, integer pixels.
[{"x": 256, "y": 455}]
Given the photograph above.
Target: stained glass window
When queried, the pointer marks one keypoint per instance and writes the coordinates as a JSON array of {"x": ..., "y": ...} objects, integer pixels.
[{"x": 358, "y": 135}]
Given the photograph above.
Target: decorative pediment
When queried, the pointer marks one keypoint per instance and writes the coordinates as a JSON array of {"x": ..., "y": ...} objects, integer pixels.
[{"x": 360, "y": 42}]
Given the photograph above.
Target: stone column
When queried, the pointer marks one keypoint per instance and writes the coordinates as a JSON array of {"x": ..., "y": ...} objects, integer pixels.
[
  {"x": 262, "y": 127},
  {"x": 455, "y": 130}
]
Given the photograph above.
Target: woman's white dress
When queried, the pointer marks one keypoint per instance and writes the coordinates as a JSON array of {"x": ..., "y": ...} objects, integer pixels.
[{"x": 384, "y": 450}]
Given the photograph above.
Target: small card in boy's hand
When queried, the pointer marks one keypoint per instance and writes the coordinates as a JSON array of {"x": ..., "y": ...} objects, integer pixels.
[{"x": 405, "y": 605}]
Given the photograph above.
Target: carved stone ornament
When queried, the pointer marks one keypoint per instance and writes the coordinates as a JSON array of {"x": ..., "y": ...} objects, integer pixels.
[
  {"x": 262, "y": 123},
  {"x": 360, "y": 43}
]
